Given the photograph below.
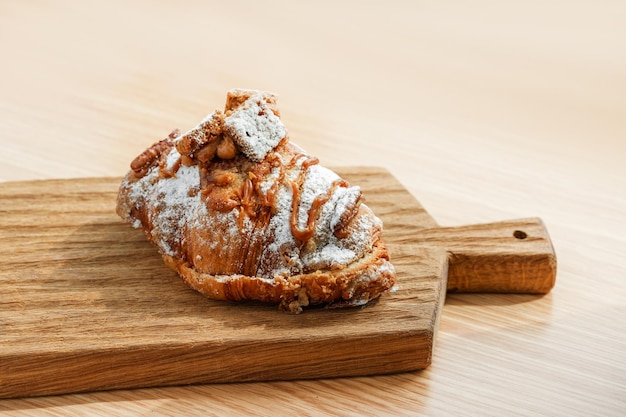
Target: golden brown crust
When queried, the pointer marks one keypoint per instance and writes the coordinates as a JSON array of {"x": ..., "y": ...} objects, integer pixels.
[
  {"x": 356, "y": 285},
  {"x": 264, "y": 222}
]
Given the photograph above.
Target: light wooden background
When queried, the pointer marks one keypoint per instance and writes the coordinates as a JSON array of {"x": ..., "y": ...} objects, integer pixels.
[{"x": 484, "y": 110}]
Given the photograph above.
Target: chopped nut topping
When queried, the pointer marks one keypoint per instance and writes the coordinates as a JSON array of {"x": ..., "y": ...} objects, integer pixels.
[
  {"x": 226, "y": 149},
  {"x": 209, "y": 130},
  {"x": 142, "y": 163}
]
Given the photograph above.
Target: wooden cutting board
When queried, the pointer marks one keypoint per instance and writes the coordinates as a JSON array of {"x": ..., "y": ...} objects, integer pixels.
[{"x": 87, "y": 304}]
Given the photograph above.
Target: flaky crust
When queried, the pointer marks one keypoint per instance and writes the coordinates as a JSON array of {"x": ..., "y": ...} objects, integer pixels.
[
  {"x": 241, "y": 213},
  {"x": 355, "y": 285}
]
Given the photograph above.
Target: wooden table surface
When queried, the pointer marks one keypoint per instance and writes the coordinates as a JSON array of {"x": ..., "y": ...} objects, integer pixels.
[{"x": 485, "y": 111}]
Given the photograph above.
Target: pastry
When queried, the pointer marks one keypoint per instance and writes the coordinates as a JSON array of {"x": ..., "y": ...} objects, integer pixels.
[{"x": 242, "y": 213}]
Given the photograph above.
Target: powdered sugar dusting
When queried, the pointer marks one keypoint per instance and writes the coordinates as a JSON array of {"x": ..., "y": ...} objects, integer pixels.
[
  {"x": 318, "y": 181},
  {"x": 269, "y": 181},
  {"x": 178, "y": 210},
  {"x": 343, "y": 198},
  {"x": 255, "y": 128},
  {"x": 173, "y": 157},
  {"x": 280, "y": 239},
  {"x": 331, "y": 251},
  {"x": 175, "y": 205}
]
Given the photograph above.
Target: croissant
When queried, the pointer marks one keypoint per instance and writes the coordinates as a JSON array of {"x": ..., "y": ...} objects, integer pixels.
[{"x": 242, "y": 213}]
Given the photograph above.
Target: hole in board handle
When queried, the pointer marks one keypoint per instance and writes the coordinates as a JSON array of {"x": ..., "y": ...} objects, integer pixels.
[{"x": 519, "y": 234}]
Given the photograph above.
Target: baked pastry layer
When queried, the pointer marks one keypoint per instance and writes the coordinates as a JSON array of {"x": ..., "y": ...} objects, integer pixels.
[{"x": 241, "y": 213}]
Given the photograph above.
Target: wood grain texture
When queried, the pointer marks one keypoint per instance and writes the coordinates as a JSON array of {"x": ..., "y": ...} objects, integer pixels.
[
  {"x": 88, "y": 304},
  {"x": 509, "y": 256},
  {"x": 485, "y": 111}
]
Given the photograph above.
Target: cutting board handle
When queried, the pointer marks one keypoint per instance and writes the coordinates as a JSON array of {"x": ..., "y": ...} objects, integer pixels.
[{"x": 514, "y": 256}]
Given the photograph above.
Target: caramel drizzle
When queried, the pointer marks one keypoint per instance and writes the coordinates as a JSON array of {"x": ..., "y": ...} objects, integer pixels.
[
  {"x": 267, "y": 198},
  {"x": 253, "y": 203},
  {"x": 316, "y": 205},
  {"x": 308, "y": 161},
  {"x": 246, "y": 198}
]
